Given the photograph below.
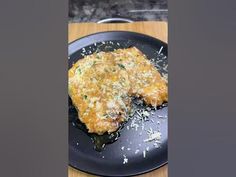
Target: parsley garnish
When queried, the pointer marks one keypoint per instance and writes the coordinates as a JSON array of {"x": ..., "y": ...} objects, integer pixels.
[
  {"x": 79, "y": 70},
  {"x": 121, "y": 66},
  {"x": 94, "y": 62},
  {"x": 105, "y": 115}
]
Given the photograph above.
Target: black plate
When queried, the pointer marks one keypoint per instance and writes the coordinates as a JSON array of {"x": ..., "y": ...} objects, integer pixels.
[{"x": 109, "y": 162}]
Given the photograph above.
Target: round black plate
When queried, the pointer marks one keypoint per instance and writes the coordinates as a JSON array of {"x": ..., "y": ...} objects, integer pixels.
[{"x": 131, "y": 143}]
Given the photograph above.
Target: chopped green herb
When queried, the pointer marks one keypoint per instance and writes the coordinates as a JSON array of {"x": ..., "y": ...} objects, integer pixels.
[
  {"x": 94, "y": 62},
  {"x": 121, "y": 66},
  {"x": 105, "y": 115},
  {"x": 85, "y": 97},
  {"x": 79, "y": 70}
]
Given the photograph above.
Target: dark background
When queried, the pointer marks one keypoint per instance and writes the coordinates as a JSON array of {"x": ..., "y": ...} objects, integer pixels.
[{"x": 136, "y": 10}]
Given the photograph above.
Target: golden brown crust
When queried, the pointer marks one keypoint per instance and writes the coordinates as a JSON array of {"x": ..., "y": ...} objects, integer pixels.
[{"x": 100, "y": 86}]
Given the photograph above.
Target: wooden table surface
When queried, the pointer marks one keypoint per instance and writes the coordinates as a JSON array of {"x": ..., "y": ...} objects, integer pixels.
[{"x": 152, "y": 28}]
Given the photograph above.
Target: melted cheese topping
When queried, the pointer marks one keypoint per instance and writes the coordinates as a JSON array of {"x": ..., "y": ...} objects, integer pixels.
[{"x": 101, "y": 86}]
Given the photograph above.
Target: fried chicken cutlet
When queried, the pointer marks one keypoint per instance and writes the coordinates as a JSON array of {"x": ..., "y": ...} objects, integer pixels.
[{"x": 101, "y": 86}]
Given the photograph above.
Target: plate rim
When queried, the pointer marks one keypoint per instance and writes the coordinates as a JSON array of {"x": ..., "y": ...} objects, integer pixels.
[{"x": 132, "y": 174}]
